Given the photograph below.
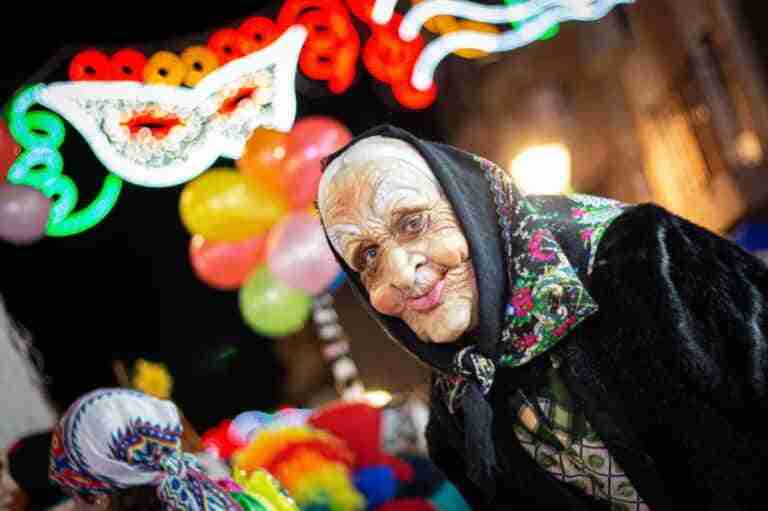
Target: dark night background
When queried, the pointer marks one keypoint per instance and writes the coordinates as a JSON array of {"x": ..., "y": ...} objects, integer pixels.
[{"x": 125, "y": 289}]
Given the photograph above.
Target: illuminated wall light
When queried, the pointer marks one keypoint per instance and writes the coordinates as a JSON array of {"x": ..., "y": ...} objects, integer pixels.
[
  {"x": 378, "y": 398},
  {"x": 534, "y": 25},
  {"x": 543, "y": 170},
  {"x": 748, "y": 148}
]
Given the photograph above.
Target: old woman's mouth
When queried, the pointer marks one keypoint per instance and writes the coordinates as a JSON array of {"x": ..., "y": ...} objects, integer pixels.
[{"x": 429, "y": 300}]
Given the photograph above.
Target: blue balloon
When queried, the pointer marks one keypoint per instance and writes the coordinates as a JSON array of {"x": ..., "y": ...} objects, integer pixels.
[
  {"x": 340, "y": 279},
  {"x": 377, "y": 483}
]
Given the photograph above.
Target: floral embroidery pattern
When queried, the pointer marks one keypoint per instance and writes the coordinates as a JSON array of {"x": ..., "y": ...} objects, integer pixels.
[{"x": 547, "y": 296}]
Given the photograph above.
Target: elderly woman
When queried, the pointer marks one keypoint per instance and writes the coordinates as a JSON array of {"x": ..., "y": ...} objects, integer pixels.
[
  {"x": 118, "y": 449},
  {"x": 587, "y": 354}
]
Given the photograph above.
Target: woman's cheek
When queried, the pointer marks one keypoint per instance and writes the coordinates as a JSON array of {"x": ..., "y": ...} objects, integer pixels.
[{"x": 448, "y": 248}]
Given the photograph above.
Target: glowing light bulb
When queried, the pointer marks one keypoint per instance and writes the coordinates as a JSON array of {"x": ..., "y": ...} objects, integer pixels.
[
  {"x": 543, "y": 169},
  {"x": 378, "y": 398}
]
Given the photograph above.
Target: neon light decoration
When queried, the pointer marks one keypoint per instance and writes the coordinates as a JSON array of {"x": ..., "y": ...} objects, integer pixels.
[
  {"x": 382, "y": 11},
  {"x": 536, "y": 18},
  {"x": 159, "y": 135},
  {"x": 40, "y": 165},
  {"x": 444, "y": 24},
  {"x": 549, "y": 34},
  {"x": 333, "y": 45}
]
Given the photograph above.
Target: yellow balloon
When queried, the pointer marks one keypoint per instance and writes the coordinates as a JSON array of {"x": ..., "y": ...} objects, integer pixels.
[{"x": 221, "y": 206}]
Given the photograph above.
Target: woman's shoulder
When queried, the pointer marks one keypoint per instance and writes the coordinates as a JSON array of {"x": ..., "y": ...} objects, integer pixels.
[{"x": 639, "y": 228}]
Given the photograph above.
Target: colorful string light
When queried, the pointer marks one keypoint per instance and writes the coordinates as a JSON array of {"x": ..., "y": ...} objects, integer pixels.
[
  {"x": 533, "y": 26},
  {"x": 40, "y": 165},
  {"x": 445, "y": 24},
  {"x": 549, "y": 34},
  {"x": 333, "y": 45}
]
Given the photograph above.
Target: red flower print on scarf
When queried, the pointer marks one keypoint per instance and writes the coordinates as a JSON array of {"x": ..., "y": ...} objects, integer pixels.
[
  {"x": 534, "y": 247},
  {"x": 562, "y": 329},
  {"x": 586, "y": 234},
  {"x": 522, "y": 301},
  {"x": 526, "y": 341},
  {"x": 577, "y": 212}
]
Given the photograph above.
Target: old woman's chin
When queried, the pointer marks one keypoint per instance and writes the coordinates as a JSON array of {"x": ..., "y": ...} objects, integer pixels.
[{"x": 449, "y": 322}]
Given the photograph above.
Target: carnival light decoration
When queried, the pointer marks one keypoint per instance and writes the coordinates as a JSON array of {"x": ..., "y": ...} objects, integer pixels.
[
  {"x": 445, "y": 24},
  {"x": 40, "y": 166},
  {"x": 159, "y": 135},
  {"x": 535, "y": 19}
]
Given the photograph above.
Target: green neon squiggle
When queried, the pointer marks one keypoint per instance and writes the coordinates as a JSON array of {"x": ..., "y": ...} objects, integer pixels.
[
  {"x": 92, "y": 214},
  {"x": 549, "y": 34},
  {"x": 40, "y": 165}
]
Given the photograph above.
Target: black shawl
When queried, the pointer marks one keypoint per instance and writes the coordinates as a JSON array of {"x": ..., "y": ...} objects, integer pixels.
[{"x": 670, "y": 371}]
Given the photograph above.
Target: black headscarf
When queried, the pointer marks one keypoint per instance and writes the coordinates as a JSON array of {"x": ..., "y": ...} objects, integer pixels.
[{"x": 512, "y": 241}]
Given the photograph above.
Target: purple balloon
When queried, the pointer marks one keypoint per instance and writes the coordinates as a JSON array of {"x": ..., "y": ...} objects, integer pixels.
[
  {"x": 298, "y": 253},
  {"x": 23, "y": 214}
]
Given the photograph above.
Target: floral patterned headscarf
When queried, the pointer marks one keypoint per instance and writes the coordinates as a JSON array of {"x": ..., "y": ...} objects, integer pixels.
[
  {"x": 522, "y": 316},
  {"x": 113, "y": 439}
]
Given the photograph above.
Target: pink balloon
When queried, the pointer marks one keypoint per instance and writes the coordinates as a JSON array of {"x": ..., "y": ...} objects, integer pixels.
[
  {"x": 310, "y": 140},
  {"x": 9, "y": 150},
  {"x": 225, "y": 265},
  {"x": 298, "y": 253},
  {"x": 23, "y": 214},
  {"x": 302, "y": 181}
]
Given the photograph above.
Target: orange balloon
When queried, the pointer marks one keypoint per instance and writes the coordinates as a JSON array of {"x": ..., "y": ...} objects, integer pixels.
[
  {"x": 263, "y": 156},
  {"x": 225, "y": 265}
]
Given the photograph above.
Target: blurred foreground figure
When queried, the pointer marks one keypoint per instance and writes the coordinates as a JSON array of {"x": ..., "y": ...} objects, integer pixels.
[
  {"x": 118, "y": 449},
  {"x": 587, "y": 354},
  {"x": 24, "y": 408}
]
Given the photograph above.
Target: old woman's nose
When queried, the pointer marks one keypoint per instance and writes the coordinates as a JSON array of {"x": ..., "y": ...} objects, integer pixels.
[{"x": 396, "y": 281}]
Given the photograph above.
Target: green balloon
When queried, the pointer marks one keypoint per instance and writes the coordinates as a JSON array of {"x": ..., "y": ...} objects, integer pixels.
[
  {"x": 270, "y": 307},
  {"x": 248, "y": 502}
]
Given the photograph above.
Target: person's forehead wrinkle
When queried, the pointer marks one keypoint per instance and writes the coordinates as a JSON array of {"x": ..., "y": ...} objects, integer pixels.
[
  {"x": 392, "y": 190},
  {"x": 345, "y": 195}
]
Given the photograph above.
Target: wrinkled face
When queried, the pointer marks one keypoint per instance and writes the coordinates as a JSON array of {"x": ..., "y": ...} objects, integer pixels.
[{"x": 392, "y": 224}]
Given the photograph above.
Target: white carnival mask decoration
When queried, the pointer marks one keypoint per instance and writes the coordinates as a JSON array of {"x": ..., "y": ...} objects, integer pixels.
[{"x": 162, "y": 135}]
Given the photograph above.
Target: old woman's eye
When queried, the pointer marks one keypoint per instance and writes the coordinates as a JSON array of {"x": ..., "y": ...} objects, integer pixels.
[
  {"x": 414, "y": 224},
  {"x": 367, "y": 257}
]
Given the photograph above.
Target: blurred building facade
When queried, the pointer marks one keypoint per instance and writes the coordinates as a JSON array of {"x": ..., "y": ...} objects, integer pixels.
[{"x": 662, "y": 100}]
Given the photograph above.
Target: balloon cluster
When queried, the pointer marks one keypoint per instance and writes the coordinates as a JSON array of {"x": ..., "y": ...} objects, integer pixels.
[{"x": 254, "y": 227}]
